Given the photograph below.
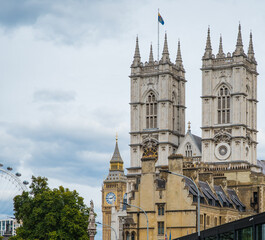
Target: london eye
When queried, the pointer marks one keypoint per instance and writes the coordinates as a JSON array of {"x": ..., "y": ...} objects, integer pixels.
[{"x": 10, "y": 186}]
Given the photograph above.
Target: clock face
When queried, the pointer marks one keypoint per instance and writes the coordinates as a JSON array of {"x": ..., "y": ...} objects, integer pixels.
[{"x": 110, "y": 198}]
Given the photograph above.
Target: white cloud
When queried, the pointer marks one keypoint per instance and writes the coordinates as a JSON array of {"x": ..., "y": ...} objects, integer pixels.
[{"x": 64, "y": 76}]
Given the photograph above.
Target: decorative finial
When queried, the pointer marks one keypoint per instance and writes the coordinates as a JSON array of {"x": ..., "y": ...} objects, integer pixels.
[
  {"x": 137, "y": 57},
  {"x": 208, "y": 48},
  {"x": 189, "y": 126},
  {"x": 116, "y": 137},
  {"x": 151, "y": 57},
  {"x": 165, "y": 54},
  {"x": 179, "y": 58},
  {"x": 251, "y": 49},
  {"x": 239, "y": 43},
  {"x": 220, "y": 53}
]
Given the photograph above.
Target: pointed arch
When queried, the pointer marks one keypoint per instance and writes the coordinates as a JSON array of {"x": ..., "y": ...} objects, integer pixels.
[
  {"x": 151, "y": 110},
  {"x": 223, "y": 104},
  {"x": 220, "y": 84},
  {"x": 188, "y": 149},
  {"x": 147, "y": 92}
]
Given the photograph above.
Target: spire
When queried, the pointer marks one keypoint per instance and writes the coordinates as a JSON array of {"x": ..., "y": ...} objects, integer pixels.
[
  {"x": 251, "y": 49},
  {"x": 208, "y": 48},
  {"x": 179, "y": 58},
  {"x": 239, "y": 44},
  {"x": 165, "y": 54},
  {"x": 151, "y": 57},
  {"x": 116, "y": 158},
  {"x": 137, "y": 57},
  {"x": 220, "y": 53}
]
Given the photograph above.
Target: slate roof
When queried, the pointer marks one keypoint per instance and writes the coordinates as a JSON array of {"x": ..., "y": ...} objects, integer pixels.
[
  {"x": 216, "y": 197},
  {"x": 234, "y": 198},
  {"x": 223, "y": 198},
  {"x": 116, "y": 155},
  {"x": 198, "y": 141},
  {"x": 192, "y": 188},
  {"x": 261, "y": 163}
]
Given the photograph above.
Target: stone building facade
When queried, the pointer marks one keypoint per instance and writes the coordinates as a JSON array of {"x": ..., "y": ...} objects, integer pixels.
[
  {"x": 157, "y": 105},
  {"x": 229, "y": 104},
  {"x": 222, "y": 163}
]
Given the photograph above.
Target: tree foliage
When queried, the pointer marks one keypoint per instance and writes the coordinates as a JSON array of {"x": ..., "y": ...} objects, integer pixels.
[{"x": 50, "y": 213}]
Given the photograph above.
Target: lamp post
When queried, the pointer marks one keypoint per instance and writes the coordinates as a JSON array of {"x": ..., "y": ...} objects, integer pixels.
[
  {"x": 198, "y": 195},
  {"x": 147, "y": 226},
  {"x": 109, "y": 227}
]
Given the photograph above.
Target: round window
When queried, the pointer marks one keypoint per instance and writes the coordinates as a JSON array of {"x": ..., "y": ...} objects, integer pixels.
[{"x": 222, "y": 151}]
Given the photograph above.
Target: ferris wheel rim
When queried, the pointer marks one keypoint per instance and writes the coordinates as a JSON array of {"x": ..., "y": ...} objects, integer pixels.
[{"x": 15, "y": 178}]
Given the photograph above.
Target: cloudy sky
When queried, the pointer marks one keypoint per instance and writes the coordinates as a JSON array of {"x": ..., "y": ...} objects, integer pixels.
[{"x": 64, "y": 86}]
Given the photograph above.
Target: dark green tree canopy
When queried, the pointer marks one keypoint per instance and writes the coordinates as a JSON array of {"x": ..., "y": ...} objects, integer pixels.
[{"x": 50, "y": 213}]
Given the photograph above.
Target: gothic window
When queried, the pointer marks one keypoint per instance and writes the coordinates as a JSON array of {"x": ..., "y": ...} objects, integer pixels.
[
  {"x": 151, "y": 111},
  {"x": 223, "y": 105},
  {"x": 161, "y": 210},
  {"x": 188, "y": 150},
  {"x": 160, "y": 228},
  {"x": 133, "y": 236}
]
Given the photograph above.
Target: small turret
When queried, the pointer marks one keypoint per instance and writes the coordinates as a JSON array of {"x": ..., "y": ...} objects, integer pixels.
[
  {"x": 239, "y": 44},
  {"x": 179, "y": 58},
  {"x": 220, "y": 53},
  {"x": 151, "y": 57},
  {"x": 137, "y": 57},
  {"x": 208, "y": 48},
  {"x": 251, "y": 49},
  {"x": 165, "y": 54}
]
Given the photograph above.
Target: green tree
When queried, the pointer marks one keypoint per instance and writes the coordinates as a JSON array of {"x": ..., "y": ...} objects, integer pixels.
[{"x": 50, "y": 213}]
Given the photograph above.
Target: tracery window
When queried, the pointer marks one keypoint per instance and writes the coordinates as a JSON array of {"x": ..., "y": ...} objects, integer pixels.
[
  {"x": 151, "y": 111},
  {"x": 223, "y": 108},
  {"x": 188, "y": 150}
]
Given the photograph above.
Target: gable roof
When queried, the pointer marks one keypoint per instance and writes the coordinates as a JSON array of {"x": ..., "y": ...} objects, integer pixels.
[{"x": 197, "y": 140}]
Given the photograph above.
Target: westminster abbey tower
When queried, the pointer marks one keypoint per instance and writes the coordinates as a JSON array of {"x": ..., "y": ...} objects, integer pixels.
[
  {"x": 229, "y": 103},
  {"x": 157, "y": 106}
]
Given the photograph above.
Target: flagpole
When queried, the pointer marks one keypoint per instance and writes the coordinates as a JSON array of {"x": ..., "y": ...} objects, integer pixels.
[{"x": 158, "y": 37}]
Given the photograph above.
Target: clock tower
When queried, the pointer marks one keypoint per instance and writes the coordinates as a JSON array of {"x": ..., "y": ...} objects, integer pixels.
[{"x": 113, "y": 190}]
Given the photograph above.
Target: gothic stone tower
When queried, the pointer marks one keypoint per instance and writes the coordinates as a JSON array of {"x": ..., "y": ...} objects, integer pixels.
[
  {"x": 113, "y": 190},
  {"x": 229, "y": 104},
  {"x": 157, "y": 106}
]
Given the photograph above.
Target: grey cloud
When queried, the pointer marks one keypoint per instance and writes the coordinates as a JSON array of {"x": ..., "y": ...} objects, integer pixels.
[
  {"x": 54, "y": 96},
  {"x": 24, "y": 12},
  {"x": 66, "y": 21},
  {"x": 71, "y": 153}
]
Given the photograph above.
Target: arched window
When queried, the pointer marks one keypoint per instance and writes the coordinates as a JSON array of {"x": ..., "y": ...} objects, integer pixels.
[
  {"x": 223, "y": 108},
  {"x": 151, "y": 111},
  {"x": 133, "y": 236},
  {"x": 188, "y": 150},
  {"x": 127, "y": 236}
]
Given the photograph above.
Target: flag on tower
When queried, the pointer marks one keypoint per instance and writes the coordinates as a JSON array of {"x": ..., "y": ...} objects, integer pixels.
[
  {"x": 160, "y": 19},
  {"x": 170, "y": 235},
  {"x": 166, "y": 236}
]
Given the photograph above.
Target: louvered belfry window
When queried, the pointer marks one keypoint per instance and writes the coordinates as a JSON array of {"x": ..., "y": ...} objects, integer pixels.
[
  {"x": 151, "y": 111},
  {"x": 223, "y": 108}
]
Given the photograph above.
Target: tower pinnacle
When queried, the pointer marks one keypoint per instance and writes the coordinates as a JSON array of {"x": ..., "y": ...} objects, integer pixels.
[
  {"x": 239, "y": 44},
  {"x": 165, "y": 54},
  {"x": 220, "y": 53},
  {"x": 208, "y": 48},
  {"x": 179, "y": 58},
  {"x": 151, "y": 57},
  {"x": 137, "y": 57},
  {"x": 251, "y": 49}
]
